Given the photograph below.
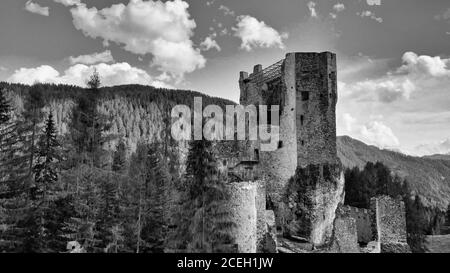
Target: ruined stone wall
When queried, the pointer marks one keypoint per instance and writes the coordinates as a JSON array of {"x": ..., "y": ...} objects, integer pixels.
[
  {"x": 363, "y": 222},
  {"x": 316, "y": 96},
  {"x": 261, "y": 228},
  {"x": 242, "y": 206},
  {"x": 345, "y": 235},
  {"x": 390, "y": 224},
  {"x": 248, "y": 212}
]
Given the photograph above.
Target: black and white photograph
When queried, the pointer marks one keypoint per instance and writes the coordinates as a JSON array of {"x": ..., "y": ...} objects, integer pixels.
[{"x": 224, "y": 127}]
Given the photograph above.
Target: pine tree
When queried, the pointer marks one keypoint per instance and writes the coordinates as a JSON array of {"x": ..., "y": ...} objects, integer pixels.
[
  {"x": 14, "y": 180},
  {"x": 33, "y": 115},
  {"x": 88, "y": 126},
  {"x": 47, "y": 158},
  {"x": 156, "y": 178},
  {"x": 5, "y": 108},
  {"x": 148, "y": 175},
  {"x": 44, "y": 191},
  {"x": 119, "y": 157},
  {"x": 109, "y": 210},
  {"x": 207, "y": 227}
]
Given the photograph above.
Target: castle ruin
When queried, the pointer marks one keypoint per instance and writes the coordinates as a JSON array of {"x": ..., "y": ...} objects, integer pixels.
[{"x": 297, "y": 191}]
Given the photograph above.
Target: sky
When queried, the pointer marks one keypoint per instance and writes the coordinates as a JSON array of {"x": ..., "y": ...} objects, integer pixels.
[{"x": 393, "y": 56}]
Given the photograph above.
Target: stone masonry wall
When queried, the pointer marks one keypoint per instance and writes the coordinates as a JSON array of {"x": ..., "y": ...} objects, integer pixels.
[
  {"x": 316, "y": 97},
  {"x": 243, "y": 213},
  {"x": 390, "y": 224},
  {"x": 345, "y": 235},
  {"x": 248, "y": 212},
  {"x": 363, "y": 222}
]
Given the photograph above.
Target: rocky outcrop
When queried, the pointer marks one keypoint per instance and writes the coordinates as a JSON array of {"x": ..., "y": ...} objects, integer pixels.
[{"x": 311, "y": 200}]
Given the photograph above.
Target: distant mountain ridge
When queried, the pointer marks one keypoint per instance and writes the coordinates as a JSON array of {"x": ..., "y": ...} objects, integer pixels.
[
  {"x": 427, "y": 176},
  {"x": 438, "y": 157}
]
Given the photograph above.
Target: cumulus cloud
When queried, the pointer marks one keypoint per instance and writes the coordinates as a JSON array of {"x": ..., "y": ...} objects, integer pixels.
[
  {"x": 44, "y": 74},
  {"x": 371, "y": 15},
  {"x": 385, "y": 90},
  {"x": 418, "y": 72},
  {"x": 209, "y": 43},
  {"x": 312, "y": 9},
  {"x": 425, "y": 65},
  {"x": 210, "y": 3},
  {"x": 111, "y": 74},
  {"x": 373, "y": 132},
  {"x": 68, "y": 3},
  {"x": 378, "y": 134},
  {"x": 339, "y": 7},
  {"x": 443, "y": 16},
  {"x": 374, "y": 2},
  {"x": 442, "y": 147},
  {"x": 36, "y": 8},
  {"x": 349, "y": 122},
  {"x": 227, "y": 11},
  {"x": 254, "y": 33},
  {"x": 162, "y": 29},
  {"x": 103, "y": 57}
]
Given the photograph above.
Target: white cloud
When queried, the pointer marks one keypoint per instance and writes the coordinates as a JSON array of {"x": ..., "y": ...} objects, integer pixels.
[
  {"x": 425, "y": 65},
  {"x": 36, "y": 8},
  {"x": 378, "y": 134},
  {"x": 371, "y": 15},
  {"x": 339, "y": 7},
  {"x": 111, "y": 74},
  {"x": 163, "y": 29},
  {"x": 209, "y": 43},
  {"x": 227, "y": 11},
  {"x": 42, "y": 74},
  {"x": 417, "y": 73},
  {"x": 374, "y": 2},
  {"x": 312, "y": 9},
  {"x": 103, "y": 57},
  {"x": 442, "y": 147},
  {"x": 68, "y": 3},
  {"x": 443, "y": 16},
  {"x": 254, "y": 33},
  {"x": 210, "y": 3},
  {"x": 349, "y": 122},
  {"x": 386, "y": 90}
]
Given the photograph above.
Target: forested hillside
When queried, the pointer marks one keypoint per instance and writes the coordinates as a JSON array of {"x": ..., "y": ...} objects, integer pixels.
[
  {"x": 137, "y": 113},
  {"x": 429, "y": 178},
  {"x": 97, "y": 168}
]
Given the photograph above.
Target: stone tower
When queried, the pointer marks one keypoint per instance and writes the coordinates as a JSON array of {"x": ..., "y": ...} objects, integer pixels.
[{"x": 304, "y": 85}]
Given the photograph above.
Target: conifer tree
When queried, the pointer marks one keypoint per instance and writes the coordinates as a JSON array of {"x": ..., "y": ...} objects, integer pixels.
[
  {"x": 208, "y": 228},
  {"x": 88, "y": 125},
  {"x": 5, "y": 108},
  {"x": 33, "y": 114},
  {"x": 47, "y": 158},
  {"x": 119, "y": 157}
]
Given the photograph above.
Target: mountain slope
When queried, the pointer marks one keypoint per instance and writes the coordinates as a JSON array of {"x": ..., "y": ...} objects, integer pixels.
[{"x": 428, "y": 177}]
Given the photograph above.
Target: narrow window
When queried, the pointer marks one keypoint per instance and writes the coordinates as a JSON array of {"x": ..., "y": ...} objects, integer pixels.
[
  {"x": 280, "y": 144},
  {"x": 256, "y": 154},
  {"x": 305, "y": 95},
  {"x": 302, "y": 120}
]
